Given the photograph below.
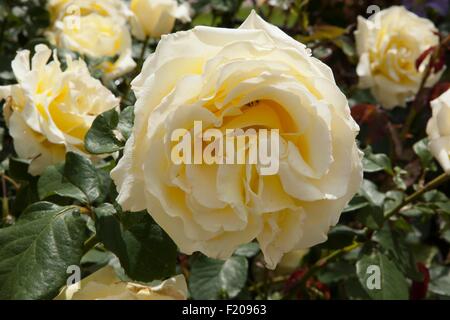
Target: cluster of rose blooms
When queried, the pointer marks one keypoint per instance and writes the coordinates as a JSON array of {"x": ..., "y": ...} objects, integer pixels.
[{"x": 212, "y": 75}]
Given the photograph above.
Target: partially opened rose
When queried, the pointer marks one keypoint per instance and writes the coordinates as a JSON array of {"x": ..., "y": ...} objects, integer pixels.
[
  {"x": 255, "y": 77},
  {"x": 104, "y": 284},
  {"x": 95, "y": 28},
  {"x": 153, "y": 18},
  {"x": 438, "y": 130},
  {"x": 389, "y": 44},
  {"x": 49, "y": 111}
]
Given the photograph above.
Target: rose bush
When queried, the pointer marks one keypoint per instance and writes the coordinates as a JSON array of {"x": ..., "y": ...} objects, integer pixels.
[{"x": 162, "y": 149}]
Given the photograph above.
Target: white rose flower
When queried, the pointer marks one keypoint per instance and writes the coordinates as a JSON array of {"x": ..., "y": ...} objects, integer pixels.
[
  {"x": 389, "y": 44},
  {"x": 95, "y": 28},
  {"x": 153, "y": 18},
  {"x": 252, "y": 77},
  {"x": 50, "y": 111},
  {"x": 438, "y": 130},
  {"x": 105, "y": 285}
]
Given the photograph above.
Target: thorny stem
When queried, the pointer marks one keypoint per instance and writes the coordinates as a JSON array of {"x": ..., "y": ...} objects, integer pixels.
[
  {"x": 279, "y": 279},
  {"x": 433, "y": 184},
  {"x": 323, "y": 262}
]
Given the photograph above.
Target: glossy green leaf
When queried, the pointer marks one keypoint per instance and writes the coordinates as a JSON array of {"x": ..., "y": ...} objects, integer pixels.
[
  {"x": 80, "y": 172},
  {"x": 145, "y": 251},
  {"x": 393, "y": 241},
  {"x": 52, "y": 182},
  {"x": 370, "y": 191},
  {"x": 376, "y": 162},
  {"x": 248, "y": 250},
  {"x": 213, "y": 279},
  {"x": 440, "y": 280},
  {"x": 101, "y": 138},
  {"x": 36, "y": 252},
  {"x": 109, "y": 131},
  {"x": 392, "y": 283}
]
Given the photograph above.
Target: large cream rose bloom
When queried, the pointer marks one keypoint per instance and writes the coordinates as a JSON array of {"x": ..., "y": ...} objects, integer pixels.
[
  {"x": 438, "y": 130},
  {"x": 50, "y": 110},
  {"x": 153, "y": 18},
  {"x": 389, "y": 44},
  {"x": 94, "y": 28},
  {"x": 105, "y": 285},
  {"x": 252, "y": 77}
]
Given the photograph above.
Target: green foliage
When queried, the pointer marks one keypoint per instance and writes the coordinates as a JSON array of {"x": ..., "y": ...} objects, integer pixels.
[
  {"x": 393, "y": 284},
  {"x": 37, "y": 250},
  {"x": 53, "y": 182},
  {"x": 109, "y": 131},
  {"x": 214, "y": 279},
  {"x": 376, "y": 162},
  {"x": 80, "y": 172},
  {"x": 145, "y": 251}
]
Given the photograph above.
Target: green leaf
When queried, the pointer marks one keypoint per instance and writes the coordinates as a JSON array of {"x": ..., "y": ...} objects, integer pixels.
[
  {"x": 248, "y": 250},
  {"x": 393, "y": 241},
  {"x": 376, "y": 162},
  {"x": 109, "y": 131},
  {"x": 145, "y": 251},
  {"x": 393, "y": 285},
  {"x": 81, "y": 173},
  {"x": 52, "y": 182},
  {"x": 126, "y": 120},
  {"x": 354, "y": 290},
  {"x": 37, "y": 250},
  {"x": 435, "y": 196},
  {"x": 393, "y": 199},
  {"x": 440, "y": 280},
  {"x": 356, "y": 203},
  {"x": 101, "y": 138},
  {"x": 424, "y": 154},
  {"x": 213, "y": 279},
  {"x": 371, "y": 216},
  {"x": 399, "y": 173},
  {"x": 370, "y": 192}
]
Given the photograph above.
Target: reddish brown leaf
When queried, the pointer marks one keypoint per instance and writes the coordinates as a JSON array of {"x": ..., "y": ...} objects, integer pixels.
[
  {"x": 419, "y": 288},
  {"x": 439, "y": 89},
  {"x": 374, "y": 119},
  {"x": 423, "y": 56}
]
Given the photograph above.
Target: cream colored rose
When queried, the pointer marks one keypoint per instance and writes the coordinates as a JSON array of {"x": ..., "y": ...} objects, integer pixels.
[
  {"x": 49, "y": 111},
  {"x": 290, "y": 262},
  {"x": 252, "y": 77},
  {"x": 389, "y": 44},
  {"x": 438, "y": 130},
  {"x": 154, "y": 18},
  {"x": 95, "y": 28},
  {"x": 105, "y": 285}
]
